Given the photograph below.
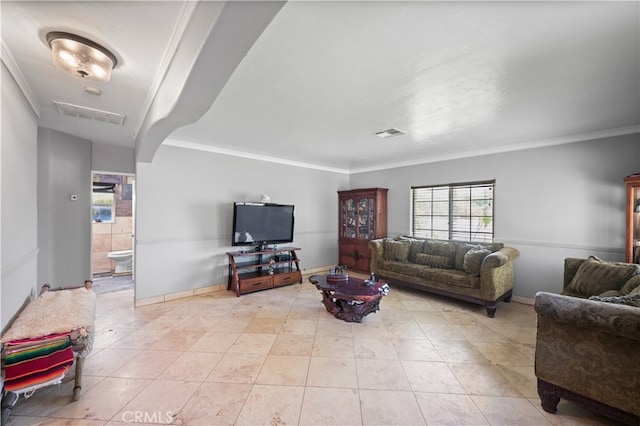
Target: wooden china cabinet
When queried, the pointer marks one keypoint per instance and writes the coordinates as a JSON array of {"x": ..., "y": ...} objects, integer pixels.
[
  {"x": 633, "y": 218},
  {"x": 362, "y": 218}
]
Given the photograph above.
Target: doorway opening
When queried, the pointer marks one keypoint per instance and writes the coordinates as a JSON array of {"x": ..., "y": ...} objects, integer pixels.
[{"x": 112, "y": 221}]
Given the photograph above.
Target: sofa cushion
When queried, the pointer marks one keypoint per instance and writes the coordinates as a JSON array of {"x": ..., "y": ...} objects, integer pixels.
[
  {"x": 433, "y": 260},
  {"x": 568, "y": 292},
  {"x": 473, "y": 260},
  {"x": 405, "y": 268},
  {"x": 396, "y": 250},
  {"x": 441, "y": 248},
  {"x": 610, "y": 293},
  {"x": 631, "y": 300},
  {"x": 450, "y": 277},
  {"x": 632, "y": 284},
  {"x": 596, "y": 276}
]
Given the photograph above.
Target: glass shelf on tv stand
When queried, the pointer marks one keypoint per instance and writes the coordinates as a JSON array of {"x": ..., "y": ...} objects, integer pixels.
[{"x": 246, "y": 275}]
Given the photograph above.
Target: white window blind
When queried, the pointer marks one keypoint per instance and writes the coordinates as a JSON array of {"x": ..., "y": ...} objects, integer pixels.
[{"x": 461, "y": 211}]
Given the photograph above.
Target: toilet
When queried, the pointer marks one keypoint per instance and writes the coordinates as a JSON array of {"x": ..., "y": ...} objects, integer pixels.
[{"x": 123, "y": 259}]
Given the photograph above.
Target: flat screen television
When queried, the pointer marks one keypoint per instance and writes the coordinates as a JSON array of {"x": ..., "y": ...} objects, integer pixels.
[{"x": 262, "y": 224}]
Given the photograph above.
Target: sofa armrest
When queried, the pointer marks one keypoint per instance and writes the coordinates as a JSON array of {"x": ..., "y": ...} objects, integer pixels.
[
  {"x": 620, "y": 320},
  {"x": 496, "y": 273},
  {"x": 501, "y": 257},
  {"x": 377, "y": 250}
]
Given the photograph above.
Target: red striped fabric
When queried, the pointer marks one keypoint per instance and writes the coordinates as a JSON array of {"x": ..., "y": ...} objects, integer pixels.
[
  {"x": 36, "y": 379},
  {"x": 42, "y": 361},
  {"x": 39, "y": 364}
]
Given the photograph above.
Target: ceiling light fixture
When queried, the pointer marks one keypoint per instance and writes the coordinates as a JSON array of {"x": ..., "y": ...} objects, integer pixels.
[{"x": 81, "y": 57}]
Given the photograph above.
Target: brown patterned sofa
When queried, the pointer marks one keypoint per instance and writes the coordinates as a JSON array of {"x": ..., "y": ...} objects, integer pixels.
[
  {"x": 480, "y": 273},
  {"x": 588, "y": 339}
]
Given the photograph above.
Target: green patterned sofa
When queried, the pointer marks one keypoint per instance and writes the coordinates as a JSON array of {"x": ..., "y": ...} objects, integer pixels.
[
  {"x": 480, "y": 273},
  {"x": 588, "y": 339}
]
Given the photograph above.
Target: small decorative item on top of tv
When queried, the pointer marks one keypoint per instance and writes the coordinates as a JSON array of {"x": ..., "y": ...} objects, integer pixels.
[{"x": 262, "y": 224}]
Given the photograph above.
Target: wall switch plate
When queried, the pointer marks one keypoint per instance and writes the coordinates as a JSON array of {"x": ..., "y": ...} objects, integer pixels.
[{"x": 73, "y": 197}]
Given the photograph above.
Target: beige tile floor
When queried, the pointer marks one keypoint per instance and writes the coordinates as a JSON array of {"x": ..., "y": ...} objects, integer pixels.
[{"x": 277, "y": 357}]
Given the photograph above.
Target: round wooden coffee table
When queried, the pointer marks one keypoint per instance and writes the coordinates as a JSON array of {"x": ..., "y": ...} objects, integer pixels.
[{"x": 349, "y": 298}]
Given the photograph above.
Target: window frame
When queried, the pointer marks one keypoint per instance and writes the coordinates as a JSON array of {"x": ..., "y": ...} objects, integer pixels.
[{"x": 450, "y": 217}]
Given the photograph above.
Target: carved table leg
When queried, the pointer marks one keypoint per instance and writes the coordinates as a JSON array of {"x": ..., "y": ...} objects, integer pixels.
[{"x": 348, "y": 312}]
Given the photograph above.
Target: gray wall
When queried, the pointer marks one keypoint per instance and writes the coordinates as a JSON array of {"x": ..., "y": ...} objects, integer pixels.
[
  {"x": 111, "y": 158},
  {"x": 64, "y": 232},
  {"x": 19, "y": 243},
  {"x": 550, "y": 203},
  {"x": 185, "y": 208}
]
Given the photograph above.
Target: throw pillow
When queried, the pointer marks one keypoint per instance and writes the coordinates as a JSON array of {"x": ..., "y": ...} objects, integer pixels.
[
  {"x": 631, "y": 300},
  {"x": 435, "y": 261},
  {"x": 415, "y": 248},
  {"x": 630, "y": 285},
  {"x": 396, "y": 250},
  {"x": 473, "y": 260},
  {"x": 461, "y": 250},
  {"x": 596, "y": 276}
]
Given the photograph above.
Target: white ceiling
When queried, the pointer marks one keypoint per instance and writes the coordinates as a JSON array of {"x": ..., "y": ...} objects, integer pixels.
[
  {"x": 117, "y": 26},
  {"x": 461, "y": 78}
]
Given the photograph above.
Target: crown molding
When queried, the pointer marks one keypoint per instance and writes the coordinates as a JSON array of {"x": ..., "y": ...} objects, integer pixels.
[
  {"x": 582, "y": 137},
  {"x": 242, "y": 154},
  {"x": 16, "y": 73},
  {"x": 601, "y": 134}
]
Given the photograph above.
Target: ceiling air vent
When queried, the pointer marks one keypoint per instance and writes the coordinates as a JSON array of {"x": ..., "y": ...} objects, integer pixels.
[
  {"x": 390, "y": 133},
  {"x": 89, "y": 113}
]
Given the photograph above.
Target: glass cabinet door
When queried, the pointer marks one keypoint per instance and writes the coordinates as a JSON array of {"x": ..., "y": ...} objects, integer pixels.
[
  {"x": 366, "y": 218},
  {"x": 349, "y": 218},
  {"x": 633, "y": 219}
]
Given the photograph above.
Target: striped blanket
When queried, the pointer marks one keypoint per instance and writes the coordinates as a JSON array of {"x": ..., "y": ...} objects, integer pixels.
[{"x": 37, "y": 362}]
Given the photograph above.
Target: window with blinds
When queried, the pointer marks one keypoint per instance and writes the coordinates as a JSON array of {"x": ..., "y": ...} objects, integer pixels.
[{"x": 461, "y": 211}]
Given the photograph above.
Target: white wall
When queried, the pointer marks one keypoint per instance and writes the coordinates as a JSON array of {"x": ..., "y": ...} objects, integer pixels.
[
  {"x": 550, "y": 203},
  {"x": 18, "y": 212},
  {"x": 184, "y": 215},
  {"x": 64, "y": 233}
]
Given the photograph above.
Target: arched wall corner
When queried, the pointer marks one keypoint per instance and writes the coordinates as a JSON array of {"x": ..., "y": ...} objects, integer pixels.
[{"x": 186, "y": 94}]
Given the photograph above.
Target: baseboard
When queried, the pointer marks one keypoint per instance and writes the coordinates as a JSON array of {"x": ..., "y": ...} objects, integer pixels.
[
  {"x": 523, "y": 300},
  {"x": 208, "y": 289},
  {"x": 180, "y": 295},
  {"x": 323, "y": 269}
]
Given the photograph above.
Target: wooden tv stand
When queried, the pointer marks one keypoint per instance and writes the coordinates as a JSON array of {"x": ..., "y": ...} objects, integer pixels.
[{"x": 253, "y": 270}]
